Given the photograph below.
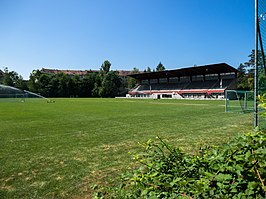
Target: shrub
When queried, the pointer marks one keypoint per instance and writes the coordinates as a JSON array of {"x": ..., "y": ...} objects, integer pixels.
[{"x": 234, "y": 170}]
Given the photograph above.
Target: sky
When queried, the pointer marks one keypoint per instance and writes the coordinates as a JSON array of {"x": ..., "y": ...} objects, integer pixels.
[{"x": 82, "y": 34}]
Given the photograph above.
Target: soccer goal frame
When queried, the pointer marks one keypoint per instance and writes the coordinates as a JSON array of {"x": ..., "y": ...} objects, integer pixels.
[{"x": 239, "y": 101}]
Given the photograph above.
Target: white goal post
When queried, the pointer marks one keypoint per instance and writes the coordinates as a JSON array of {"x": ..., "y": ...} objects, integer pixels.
[{"x": 239, "y": 101}]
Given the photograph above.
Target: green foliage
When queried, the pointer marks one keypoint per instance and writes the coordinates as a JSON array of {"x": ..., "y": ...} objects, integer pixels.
[
  {"x": 131, "y": 82},
  {"x": 110, "y": 85},
  {"x": 106, "y": 83},
  {"x": 11, "y": 78},
  {"x": 148, "y": 70},
  {"x": 245, "y": 74},
  {"x": 245, "y": 77},
  {"x": 262, "y": 82},
  {"x": 234, "y": 170},
  {"x": 105, "y": 68},
  {"x": 262, "y": 103},
  {"x": 160, "y": 67}
]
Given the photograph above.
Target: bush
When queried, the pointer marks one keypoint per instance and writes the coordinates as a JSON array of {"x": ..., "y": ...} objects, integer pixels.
[{"x": 234, "y": 170}]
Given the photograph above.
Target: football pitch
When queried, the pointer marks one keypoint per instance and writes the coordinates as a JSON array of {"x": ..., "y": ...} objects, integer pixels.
[{"x": 62, "y": 149}]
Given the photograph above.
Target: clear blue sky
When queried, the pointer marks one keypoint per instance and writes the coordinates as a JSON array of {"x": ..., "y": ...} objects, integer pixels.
[{"x": 81, "y": 34}]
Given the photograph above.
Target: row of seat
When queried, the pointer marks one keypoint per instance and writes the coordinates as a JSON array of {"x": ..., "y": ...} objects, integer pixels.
[{"x": 186, "y": 85}]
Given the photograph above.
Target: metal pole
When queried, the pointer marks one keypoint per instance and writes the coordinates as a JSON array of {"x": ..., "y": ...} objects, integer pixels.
[
  {"x": 246, "y": 101},
  {"x": 256, "y": 66},
  {"x": 225, "y": 93}
]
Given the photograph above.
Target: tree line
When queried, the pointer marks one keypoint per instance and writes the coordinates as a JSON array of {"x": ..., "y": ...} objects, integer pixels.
[{"x": 106, "y": 82}]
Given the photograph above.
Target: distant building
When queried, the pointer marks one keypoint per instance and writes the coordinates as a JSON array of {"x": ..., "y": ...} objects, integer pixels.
[
  {"x": 82, "y": 73},
  {"x": 124, "y": 73}
]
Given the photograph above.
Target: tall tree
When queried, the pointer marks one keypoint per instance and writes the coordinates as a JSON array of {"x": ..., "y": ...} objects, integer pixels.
[
  {"x": 53, "y": 86},
  {"x": 1, "y": 76},
  {"x": 10, "y": 78},
  {"x": 44, "y": 81},
  {"x": 62, "y": 87},
  {"x": 106, "y": 66},
  {"x": 160, "y": 67},
  {"x": 148, "y": 70},
  {"x": 131, "y": 82},
  {"x": 87, "y": 84},
  {"x": 110, "y": 85},
  {"x": 242, "y": 80},
  {"x": 21, "y": 84},
  {"x": 33, "y": 83},
  {"x": 246, "y": 73}
]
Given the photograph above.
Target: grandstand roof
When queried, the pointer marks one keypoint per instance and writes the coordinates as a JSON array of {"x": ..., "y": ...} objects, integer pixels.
[{"x": 190, "y": 71}]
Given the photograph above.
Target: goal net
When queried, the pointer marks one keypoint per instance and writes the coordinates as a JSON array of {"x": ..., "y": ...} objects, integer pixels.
[
  {"x": 239, "y": 101},
  {"x": 261, "y": 62}
]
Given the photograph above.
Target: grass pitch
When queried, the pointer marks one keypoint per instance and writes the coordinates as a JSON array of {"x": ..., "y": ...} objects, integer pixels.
[{"x": 60, "y": 150}]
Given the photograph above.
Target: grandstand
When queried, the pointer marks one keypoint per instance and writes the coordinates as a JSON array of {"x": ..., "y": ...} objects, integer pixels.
[{"x": 198, "y": 82}]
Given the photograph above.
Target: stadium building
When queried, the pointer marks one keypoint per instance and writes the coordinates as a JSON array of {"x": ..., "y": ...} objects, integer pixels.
[{"x": 198, "y": 82}]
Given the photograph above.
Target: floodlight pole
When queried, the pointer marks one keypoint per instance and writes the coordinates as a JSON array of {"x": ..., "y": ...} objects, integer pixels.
[{"x": 256, "y": 66}]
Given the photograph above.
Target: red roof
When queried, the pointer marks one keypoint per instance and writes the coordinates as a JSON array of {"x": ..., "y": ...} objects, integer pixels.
[
  {"x": 121, "y": 73},
  {"x": 208, "y": 91}
]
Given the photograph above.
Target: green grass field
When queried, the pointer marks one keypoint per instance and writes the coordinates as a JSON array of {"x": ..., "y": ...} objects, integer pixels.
[{"x": 59, "y": 150}]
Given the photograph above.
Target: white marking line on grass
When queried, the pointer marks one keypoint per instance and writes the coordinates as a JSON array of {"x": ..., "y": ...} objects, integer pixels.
[
  {"x": 45, "y": 136},
  {"x": 179, "y": 104}
]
